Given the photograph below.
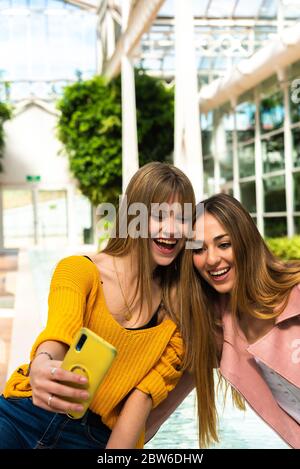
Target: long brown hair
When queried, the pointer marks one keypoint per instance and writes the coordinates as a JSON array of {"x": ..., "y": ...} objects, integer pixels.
[
  {"x": 262, "y": 287},
  {"x": 153, "y": 183},
  {"x": 198, "y": 332},
  {"x": 263, "y": 282}
]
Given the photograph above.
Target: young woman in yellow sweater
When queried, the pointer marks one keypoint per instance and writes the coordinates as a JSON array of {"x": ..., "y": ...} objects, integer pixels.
[{"x": 125, "y": 294}]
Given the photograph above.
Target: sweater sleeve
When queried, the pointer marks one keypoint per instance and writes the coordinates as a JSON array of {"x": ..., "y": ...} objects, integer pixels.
[
  {"x": 71, "y": 283},
  {"x": 164, "y": 376}
]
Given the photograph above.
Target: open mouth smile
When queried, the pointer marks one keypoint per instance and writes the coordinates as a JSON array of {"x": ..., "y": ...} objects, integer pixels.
[
  {"x": 219, "y": 274},
  {"x": 165, "y": 245}
]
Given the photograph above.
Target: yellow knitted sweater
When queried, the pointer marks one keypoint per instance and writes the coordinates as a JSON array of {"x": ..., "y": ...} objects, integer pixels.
[{"x": 147, "y": 359}]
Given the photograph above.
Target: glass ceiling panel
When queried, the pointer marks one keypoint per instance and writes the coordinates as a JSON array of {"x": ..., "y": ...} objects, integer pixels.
[
  {"x": 167, "y": 8},
  {"x": 268, "y": 9},
  {"x": 221, "y": 8},
  {"x": 228, "y": 8},
  {"x": 247, "y": 9},
  {"x": 200, "y": 7}
]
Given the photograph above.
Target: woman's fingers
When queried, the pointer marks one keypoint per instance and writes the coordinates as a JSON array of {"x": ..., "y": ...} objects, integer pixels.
[
  {"x": 55, "y": 372},
  {"x": 53, "y": 387},
  {"x": 63, "y": 390},
  {"x": 59, "y": 405},
  {"x": 53, "y": 403}
]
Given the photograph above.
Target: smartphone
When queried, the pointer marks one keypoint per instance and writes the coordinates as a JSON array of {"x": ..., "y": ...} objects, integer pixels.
[{"x": 90, "y": 356}]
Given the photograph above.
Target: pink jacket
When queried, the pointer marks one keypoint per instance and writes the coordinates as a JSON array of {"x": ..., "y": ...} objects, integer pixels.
[{"x": 279, "y": 349}]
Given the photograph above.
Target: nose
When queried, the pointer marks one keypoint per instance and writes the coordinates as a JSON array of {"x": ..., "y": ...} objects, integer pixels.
[
  {"x": 170, "y": 228},
  {"x": 212, "y": 258}
]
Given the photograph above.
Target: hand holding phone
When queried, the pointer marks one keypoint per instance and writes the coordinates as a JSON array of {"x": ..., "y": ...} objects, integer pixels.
[{"x": 90, "y": 356}]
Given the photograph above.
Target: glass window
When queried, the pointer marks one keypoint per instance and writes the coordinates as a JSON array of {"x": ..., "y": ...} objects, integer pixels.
[
  {"x": 296, "y": 146},
  {"x": 245, "y": 121},
  {"x": 271, "y": 112},
  {"x": 226, "y": 165},
  {"x": 275, "y": 227},
  {"x": 274, "y": 194},
  {"x": 206, "y": 133},
  {"x": 224, "y": 147},
  {"x": 248, "y": 195},
  {"x": 54, "y": 41},
  {"x": 18, "y": 220},
  {"x": 52, "y": 211},
  {"x": 295, "y": 100},
  {"x": 273, "y": 153},
  {"x": 4, "y": 4},
  {"x": 19, "y": 3},
  {"x": 296, "y": 177},
  {"x": 208, "y": 168},
  {"x": 297, "y": 225},
  {"x": 246, "y": 160}
]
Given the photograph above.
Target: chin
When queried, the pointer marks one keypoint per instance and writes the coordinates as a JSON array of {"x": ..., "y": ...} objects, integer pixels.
[
  {"x": 222, "y": 288},
  {"x": 164, "y": 261}
]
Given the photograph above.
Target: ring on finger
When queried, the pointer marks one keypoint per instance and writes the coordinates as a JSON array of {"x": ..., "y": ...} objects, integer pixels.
[
  {"x": 49, "y": 400},
  {"x": 53, "y": 371}
]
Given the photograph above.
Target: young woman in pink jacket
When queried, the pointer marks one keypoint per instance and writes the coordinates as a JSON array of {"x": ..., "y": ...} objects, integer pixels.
[{"x": 251, "y": 300}]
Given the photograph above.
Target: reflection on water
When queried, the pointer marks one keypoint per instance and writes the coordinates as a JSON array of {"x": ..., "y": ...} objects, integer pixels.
[{"x": 237, "y": 429}]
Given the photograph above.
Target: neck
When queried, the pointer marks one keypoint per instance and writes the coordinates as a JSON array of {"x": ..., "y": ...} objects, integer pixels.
[
  {"x": 255, "y": 328},
  {"x": 128, "y": 263}
]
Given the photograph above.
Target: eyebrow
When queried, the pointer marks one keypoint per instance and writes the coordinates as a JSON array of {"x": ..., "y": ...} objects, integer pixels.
[{"x": 220, "y": 236}]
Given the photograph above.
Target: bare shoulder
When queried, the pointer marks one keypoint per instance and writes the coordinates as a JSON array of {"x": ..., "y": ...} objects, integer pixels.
[{"x": 102, "y": 261}]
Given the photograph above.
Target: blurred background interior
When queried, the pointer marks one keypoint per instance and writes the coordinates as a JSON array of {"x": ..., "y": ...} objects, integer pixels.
[{"x": 222, "y": 79}]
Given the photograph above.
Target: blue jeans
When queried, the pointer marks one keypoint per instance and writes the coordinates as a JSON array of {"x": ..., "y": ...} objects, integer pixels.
[{"x": 26, "y": 426}]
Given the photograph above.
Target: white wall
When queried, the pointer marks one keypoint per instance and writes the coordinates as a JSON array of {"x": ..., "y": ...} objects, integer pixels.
[{"x": 31, "y": 148}]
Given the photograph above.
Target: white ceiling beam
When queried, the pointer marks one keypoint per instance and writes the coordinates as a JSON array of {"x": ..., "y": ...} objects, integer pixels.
[
  {"x": 275, "y": 55},
  {"x": 141, "y": 18}
]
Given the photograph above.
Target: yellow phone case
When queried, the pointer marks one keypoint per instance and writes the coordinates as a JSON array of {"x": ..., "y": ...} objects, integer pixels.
[{"x": 90, "y": 356}]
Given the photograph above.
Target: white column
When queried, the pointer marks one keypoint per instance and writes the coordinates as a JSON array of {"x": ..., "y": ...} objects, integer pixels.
[
  {"x": 219, "y": 145},
  {"x": 288, "y": 157},
  {"x": 110, "y": 35},
  {"x": 188, "y": 151},
  {"x": 34, "y": 192},
  {"x": 71, "y": 219},
  {"x": 258, "y": 169},
  {"x": 130, "y": 159},
  {"x": 236, "y": 169},
  {"x": 280, "y": 17}
]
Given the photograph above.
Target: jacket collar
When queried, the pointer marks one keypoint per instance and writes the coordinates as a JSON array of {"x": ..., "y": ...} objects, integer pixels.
[{"x": 292, "y": 308}]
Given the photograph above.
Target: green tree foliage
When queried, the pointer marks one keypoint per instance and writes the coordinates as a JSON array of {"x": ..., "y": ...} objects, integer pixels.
[
  {"x": 5, "y": 114},
  {"x": 90, "y": 127}
]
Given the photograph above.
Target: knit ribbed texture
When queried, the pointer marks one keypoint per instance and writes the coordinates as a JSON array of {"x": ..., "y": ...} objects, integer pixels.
[{"x": 147, "y": 359}]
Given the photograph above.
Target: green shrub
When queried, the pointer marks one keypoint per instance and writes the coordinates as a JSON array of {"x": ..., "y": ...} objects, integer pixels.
[
  {"x": 5, "y": 114},
  {"x": 285, "y": 248},
  {"x": 90, "y": 128}
]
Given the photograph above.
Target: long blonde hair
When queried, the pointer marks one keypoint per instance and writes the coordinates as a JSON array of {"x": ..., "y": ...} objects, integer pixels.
[
  {"x": 262, "y": 288},
  {"x": 153, "y": 183}
]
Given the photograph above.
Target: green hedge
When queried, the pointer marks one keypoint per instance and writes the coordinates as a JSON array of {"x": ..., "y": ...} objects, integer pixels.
[
  {"x": 90, "y": 128},
  {"x": 5, "y": 114},
  {"x": 285, "y": 248}
]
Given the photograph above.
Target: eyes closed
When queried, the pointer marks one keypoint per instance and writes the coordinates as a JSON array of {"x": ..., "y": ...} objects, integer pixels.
[{"x": 224, "y": 246}]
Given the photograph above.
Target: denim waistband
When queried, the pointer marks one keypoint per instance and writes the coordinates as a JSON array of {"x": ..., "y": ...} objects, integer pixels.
[{"x": 93, "y": 419}]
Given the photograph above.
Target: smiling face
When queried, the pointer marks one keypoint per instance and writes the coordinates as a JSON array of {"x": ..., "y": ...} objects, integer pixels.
[
  {"x": 166, "y": 232},
  {"x": 215, "y": 260}
]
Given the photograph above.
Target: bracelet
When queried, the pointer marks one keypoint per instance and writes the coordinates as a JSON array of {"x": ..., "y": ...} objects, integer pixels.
[
  {"x": 46, "y": 353},
  {"x": 40, "y": 353}
]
